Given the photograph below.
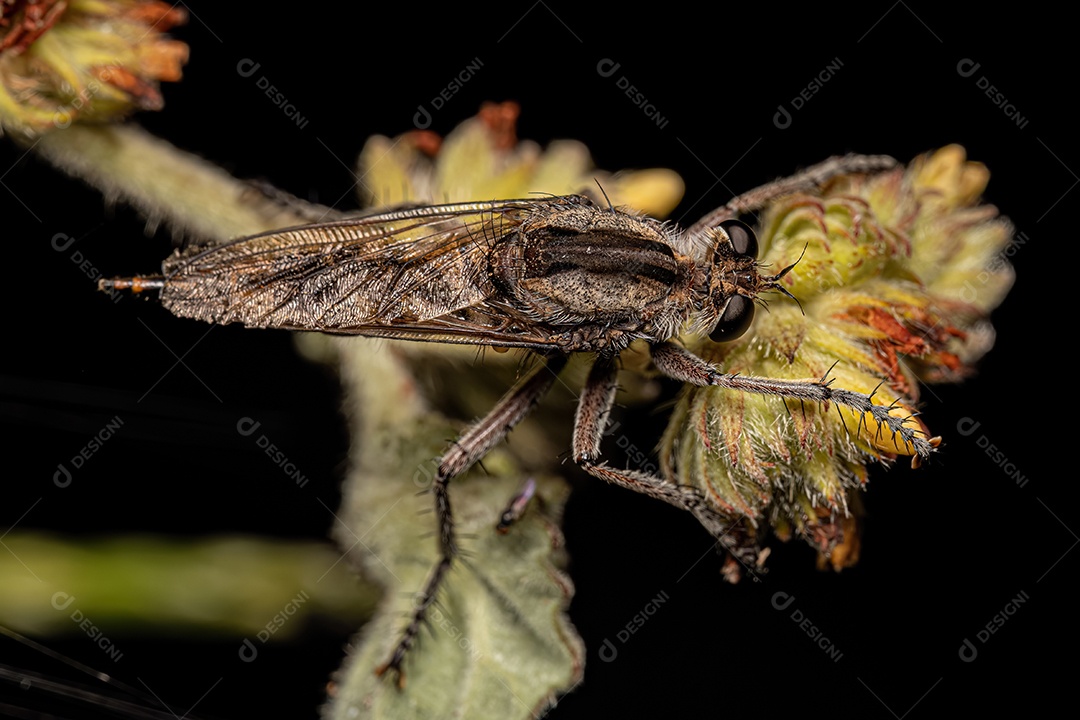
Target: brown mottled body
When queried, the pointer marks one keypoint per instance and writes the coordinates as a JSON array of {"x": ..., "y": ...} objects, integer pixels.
[{"x": 543, "y": 274}]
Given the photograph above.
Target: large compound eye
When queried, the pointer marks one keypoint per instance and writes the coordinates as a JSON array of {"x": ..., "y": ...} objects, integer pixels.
[
  {"x": 738, "y": 314},
  {"x": 743, "y": 239}
]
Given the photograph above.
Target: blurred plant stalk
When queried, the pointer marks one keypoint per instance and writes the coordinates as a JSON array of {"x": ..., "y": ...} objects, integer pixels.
[{"x": 138, "y": 584}]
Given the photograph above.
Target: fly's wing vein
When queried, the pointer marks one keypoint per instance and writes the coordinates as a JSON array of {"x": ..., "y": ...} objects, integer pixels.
[{"x": 394, "y": 269}]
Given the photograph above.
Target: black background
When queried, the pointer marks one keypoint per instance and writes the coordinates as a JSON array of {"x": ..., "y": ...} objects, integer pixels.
[{"x": 945, "y": 548}]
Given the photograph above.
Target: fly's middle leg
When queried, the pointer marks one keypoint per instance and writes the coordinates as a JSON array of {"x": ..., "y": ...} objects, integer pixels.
[
  {"x": 476, "y": 442},
  {"x": 594, "y": 407}
]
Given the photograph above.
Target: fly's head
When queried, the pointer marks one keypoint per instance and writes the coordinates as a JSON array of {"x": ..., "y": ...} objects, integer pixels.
[{"x": 730, "y": 282}]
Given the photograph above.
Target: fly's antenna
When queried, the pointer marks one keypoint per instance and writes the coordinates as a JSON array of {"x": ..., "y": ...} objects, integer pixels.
[
  {"x": 773, "y": 282},
  {"x": 784, "y": 291},
  {"x": 773, "y": 279}
]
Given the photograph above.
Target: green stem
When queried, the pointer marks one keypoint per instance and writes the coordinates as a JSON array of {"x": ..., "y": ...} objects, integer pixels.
[
  {"x": 127, "y": 584},
  {"x": 193, "y": 196}
]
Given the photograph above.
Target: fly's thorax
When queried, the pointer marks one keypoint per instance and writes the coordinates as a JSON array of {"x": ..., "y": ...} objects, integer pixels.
[{"x": 589, "y": 265}]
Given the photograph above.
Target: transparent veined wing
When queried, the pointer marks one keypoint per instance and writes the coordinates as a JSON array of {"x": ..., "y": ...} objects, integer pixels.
[{"x": 417, "y": 273}]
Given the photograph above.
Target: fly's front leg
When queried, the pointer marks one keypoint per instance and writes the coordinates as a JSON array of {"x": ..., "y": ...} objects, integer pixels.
[
  {"x": 593, "y": 410},
  {"x": 681, "y": 364},
  {"x": 808, "y": 179},
  {"x": 476, "y": 442}
]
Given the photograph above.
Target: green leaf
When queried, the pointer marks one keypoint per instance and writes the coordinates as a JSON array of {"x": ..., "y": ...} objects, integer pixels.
[{"x": 498, "y": 643}]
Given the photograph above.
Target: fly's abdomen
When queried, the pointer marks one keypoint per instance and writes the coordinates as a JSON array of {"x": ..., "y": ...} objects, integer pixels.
[{"x": 597, "y": 274}]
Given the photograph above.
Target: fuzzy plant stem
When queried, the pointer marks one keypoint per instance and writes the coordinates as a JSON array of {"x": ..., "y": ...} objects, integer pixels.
[{"x": 195, "y": 198}]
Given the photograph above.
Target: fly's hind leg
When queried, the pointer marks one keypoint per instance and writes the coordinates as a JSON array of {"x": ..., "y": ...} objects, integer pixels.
[
  {"x": 593, "y": 410},
  {"x": 476, "y": 442}
]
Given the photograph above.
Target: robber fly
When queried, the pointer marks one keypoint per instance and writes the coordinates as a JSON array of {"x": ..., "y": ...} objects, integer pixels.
[{"x": 556, "y": 275}]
